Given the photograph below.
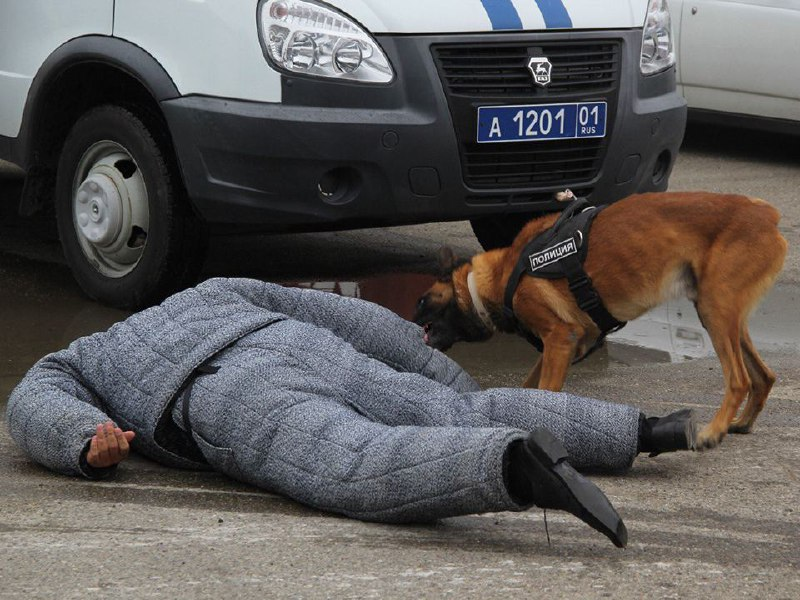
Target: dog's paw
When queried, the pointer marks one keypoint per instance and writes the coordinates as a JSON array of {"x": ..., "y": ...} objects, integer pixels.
[
  {"x": 708, "y": 438},
  {"x": 740, "y": 427}
]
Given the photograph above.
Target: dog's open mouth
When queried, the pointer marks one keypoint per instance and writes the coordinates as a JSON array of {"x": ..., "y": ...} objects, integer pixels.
[{"x": 426, "y": 328}]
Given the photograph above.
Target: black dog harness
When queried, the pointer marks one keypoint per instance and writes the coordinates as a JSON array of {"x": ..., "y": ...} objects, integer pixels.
[{"x": 557, "y": 253}]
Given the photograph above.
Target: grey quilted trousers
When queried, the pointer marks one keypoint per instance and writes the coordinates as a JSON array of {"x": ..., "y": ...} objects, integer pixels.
[{"x": 296, "y": 410}]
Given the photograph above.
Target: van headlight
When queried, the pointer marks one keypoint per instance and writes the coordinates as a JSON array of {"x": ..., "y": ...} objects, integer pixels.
[
  {"x": 312, "y": 38},
  {"x": 658, "y": 52}
]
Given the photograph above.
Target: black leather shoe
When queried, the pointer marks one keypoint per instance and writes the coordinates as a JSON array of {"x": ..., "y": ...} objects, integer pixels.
[
  {"x": 675, "y": 431},
  {"x": 556, "y": 485}
]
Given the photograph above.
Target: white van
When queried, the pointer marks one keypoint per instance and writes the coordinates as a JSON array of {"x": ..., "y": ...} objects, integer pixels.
[{"x": 146, "y": 124}]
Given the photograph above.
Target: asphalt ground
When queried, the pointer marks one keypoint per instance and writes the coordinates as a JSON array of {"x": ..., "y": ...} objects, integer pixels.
[{"x": 717, "y": 524}]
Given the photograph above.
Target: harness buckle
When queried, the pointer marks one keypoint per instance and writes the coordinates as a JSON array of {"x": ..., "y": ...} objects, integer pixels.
[
  {"x": 581, "y": 281},
  {"x": 589, "y": 303}
]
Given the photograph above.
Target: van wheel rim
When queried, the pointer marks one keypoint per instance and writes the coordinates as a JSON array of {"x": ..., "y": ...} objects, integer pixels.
[{"x": 110, "y": 209}]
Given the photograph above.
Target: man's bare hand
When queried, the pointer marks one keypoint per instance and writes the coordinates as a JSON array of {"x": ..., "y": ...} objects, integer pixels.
[{"x": 109, "y": 446}]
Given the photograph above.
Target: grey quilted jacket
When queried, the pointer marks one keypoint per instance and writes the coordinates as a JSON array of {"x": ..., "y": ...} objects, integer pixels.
[{"x": 335, "y": 402}]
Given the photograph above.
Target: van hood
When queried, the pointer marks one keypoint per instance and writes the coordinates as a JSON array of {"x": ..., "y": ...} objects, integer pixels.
[{"x": 463, "y": 16}]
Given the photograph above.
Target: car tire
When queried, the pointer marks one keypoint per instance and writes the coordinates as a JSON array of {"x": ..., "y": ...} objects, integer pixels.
[
  {"x": 499, "y": 231},
  {"x": 127, "y": 229}
]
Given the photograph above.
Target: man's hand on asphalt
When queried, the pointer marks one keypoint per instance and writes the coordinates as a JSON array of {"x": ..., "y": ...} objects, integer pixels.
[{"x": 109, "y": 446}]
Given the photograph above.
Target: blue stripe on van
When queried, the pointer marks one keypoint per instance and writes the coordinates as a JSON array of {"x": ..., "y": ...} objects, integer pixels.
[
  {"x": 502, "y": 14},
  {"x": 555, "y": 14}
]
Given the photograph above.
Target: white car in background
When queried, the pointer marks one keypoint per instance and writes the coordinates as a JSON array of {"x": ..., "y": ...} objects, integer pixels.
[{"x": 738, "y": 60}]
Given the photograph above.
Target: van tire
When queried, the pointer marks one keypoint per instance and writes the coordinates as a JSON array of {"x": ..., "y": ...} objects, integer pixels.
[{"x": 126, "y": 226}]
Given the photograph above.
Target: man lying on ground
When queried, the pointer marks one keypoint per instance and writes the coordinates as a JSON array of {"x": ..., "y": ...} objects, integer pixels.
[{"x": 335, "y": 402}]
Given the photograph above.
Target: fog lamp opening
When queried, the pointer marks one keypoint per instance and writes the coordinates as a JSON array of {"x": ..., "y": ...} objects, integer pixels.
[
  {"x": 338, "y": 186},
  {"x": 661, "y": 166}
]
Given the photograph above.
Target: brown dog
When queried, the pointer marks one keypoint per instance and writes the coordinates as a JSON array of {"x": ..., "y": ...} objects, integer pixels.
[{"x": 721, "y": 251}]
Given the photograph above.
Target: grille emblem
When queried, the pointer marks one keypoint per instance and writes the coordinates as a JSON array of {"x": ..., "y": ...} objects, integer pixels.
[{"x": 540, "y": 69}]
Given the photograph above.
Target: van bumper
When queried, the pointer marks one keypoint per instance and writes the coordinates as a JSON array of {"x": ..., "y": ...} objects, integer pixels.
[{"x": 338, "y": 155}]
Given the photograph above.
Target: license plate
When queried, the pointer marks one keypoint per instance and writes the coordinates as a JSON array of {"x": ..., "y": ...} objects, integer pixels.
[{"x": 528, "y": 123}]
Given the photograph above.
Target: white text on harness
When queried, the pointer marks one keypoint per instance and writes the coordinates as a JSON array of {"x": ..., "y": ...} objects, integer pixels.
[{"x": 552, "y": 254}]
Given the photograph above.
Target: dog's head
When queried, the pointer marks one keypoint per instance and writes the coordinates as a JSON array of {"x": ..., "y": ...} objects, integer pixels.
[{"x": 438, "y": 310}]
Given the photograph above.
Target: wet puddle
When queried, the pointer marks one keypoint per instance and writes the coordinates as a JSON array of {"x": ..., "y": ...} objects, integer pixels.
[
  {"x": 670, "y": 333},
  {"x": 41, "y": 310},
  {"x": 674, "y": 330}
]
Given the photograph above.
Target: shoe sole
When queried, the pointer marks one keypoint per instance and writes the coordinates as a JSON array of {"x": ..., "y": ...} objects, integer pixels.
[{"x": 593, "y": 506}]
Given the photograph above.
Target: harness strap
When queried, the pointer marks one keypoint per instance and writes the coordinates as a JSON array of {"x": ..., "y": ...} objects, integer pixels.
[
  {"x": 586, "y": 296},
  {"x": 574, "y": 207},
  {"x": 580, "y": 284}
]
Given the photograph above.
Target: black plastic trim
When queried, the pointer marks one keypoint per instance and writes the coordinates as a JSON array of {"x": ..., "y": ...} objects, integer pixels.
[
  {"x": 259, "y": 164},
  {"x": 112, "y": 51},
  {"x": 255, "y": 163},
  {"x": 8, "y": 149}
]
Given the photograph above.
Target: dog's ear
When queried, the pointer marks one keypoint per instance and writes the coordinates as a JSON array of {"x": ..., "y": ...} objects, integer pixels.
[{"x": 447, "y": 261}]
